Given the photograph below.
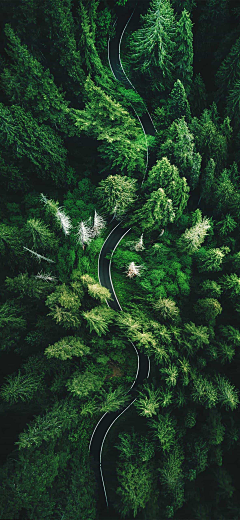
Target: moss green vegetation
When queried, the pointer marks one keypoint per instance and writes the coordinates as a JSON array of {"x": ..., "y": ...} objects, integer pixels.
[{"x": 72, "y": 157}]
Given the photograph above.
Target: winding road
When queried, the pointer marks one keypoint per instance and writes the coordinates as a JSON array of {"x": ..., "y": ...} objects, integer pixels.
[{"x": 104, "y": 274}]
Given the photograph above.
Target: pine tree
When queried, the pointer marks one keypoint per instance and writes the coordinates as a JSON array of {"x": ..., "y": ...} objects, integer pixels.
[
  {"x": 26, "y": 83},
  {"x": 133, "y": 270},
  {"x": 24, "y": 286},
  {"x": 184, "y": 50},
  {"x": 19, "y": 387},
  {"x": 197, "y": 336},
  {"x": 67, "y": 348},
  {"x": 170, "y": 374},
  {"x": 191, "y": 240},
  {"x": 228, "y": 395},
  {"x": 123, "y": 147},
  {"x": 61, "y": 416},
  {"x": 231, "y": 285},
  {"x": 164, "y": 430},
  {"x": 40, "y": 235},
  {"x": 84, "y": 233},
  {"x": 10, "y": 245},
  {"x": 153, "y": 44},
  {"x": 39, "y": 145},
  {"x": 179, "y": 147},
  {"x": 178, "y": 105},
  {"x": 148, "y": 401},
  {"x": 207, "y": 180},
  {"x": 229, "y": 71},
  {"x": 113, "y": 400},
  {"x": 99, "y": 292},
  {"x": 165, "y": 175},
  {"x": 204, "y": 392},
  {"x": 211, "y": 289},
  {"x": 208, "y": 308},
  {"x": 211, "y": 259},
  {"x": 60, "y": 32},
  {"x": 82, "y": 384},
  {"x": 167, "y": 309},
  {"x": 117, "y": 194},
  {"x": 156, "y": 212},
  {"x": 98, "y": 224},
  {"x": 198, "y": 95},
  {"x": 171, "y": 475},
  {"x": 64, "y": 306},
  {"x": 226, "y": 225},
  {"x": 99, "y": 318}
]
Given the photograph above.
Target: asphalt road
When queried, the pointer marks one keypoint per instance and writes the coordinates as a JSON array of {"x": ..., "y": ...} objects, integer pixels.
[{"x": 104, "y": 273}]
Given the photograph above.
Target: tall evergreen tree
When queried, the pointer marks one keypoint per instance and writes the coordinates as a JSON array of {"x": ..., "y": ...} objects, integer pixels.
[
  {"x": 117, "y": 194},
  {"x": 184, "y": 50},
  {"x": 153, "y": 44}
]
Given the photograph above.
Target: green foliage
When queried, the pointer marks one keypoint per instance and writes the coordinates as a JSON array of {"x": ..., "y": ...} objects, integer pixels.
[
  {"x": 148, "y": 401},
  {"x": 153, "y": 44},
  {"x": 64, "y": 306},
  {"x": 166, "y": 176},
  {"x": 99, "y": 319},
  {"x": 208, "y": 308},
  {"x": 67, "y": 348},
  {"x": 21, "y": 387},
  {"x": 156, "y": 212},
  {"x": 82, "y": 384},
  {"x": 117, "y": 194},
  {"x": 184, "y": 49},
  {"x": 179, "y": 147},
  {"x": 164, "y": 430},
  {"x": 192, "y": 238}
]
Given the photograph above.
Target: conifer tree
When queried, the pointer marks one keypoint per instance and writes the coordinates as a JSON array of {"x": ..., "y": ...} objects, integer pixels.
[
  {"x": 153, "y": 44},
  {"x": 117, "y": 194},
  {"x": 164, "y": 427},
  {"x": 208, "y": 308},
  {"x": 19, "y": 387},
  {"x": 198, "y": 96},
  {"x": 58, "y": 17},
  {"x": 148, "y": 401},
  {"x": 211, "y": 259},
  {"x": 167, "y": 309},
  {"x": 40, "y": 235},
  {"x": 231, "y": 285},
  {"x": 123, "y": 147},
  {"x": 39, "y": 145},
  {"x": 64, "y": 306},
  {"x": 191, "y": 240},
  {"x": 82, "y": 384},
  {"x": 26, "y": 83},
  {"x": 99, "y": 318},
  {"x": 179, "y": 147},
  {"x": 113, "y": 400},
  {"x": 178, "y": 105},
  {"x": 229, "y": 71},
  {"x": 67, "y": 348},
  {"x": 207, "y": 180},
  {"x": 228, "y": 395},
  {"x": 156, "y": 212},
  {"x": 165, "y": 175},
  {"x": 184, "y": 50}
]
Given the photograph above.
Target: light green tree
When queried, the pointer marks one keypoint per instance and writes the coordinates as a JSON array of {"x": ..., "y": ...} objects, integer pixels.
[
  {"x": 178, "y": 105},
  {"x": 191, "y": 240},
  {"x": 99, "y": 318},
  {"x": 167, "y": 309},
  {"x": 157, "y": 212},
  {"x": 82, "y": 384},
  {"x": 148, "y": 401},
  {"x": 164, "y": 430},
  {"x": 165, "y": 175},
  {"x": 67, "y": 348},
  {"x": 64, "y": 306},
  {"x": 117, "y": 194},
  {"x": 228, "y": 395},
  {"x": 179, "y": 147}
]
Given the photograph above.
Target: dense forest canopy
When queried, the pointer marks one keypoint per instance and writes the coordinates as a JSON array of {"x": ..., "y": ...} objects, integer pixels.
[{"x": 73, "y": 164}]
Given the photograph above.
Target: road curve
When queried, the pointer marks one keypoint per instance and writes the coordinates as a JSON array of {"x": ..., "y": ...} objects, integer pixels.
[{"x": 104, "y": 274}]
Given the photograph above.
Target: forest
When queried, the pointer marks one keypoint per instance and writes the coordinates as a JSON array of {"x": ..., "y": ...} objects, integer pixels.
[{"x": 75, "y": 162}]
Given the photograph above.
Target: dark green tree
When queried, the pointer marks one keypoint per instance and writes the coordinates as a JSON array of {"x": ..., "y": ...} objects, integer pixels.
[{"x": 184, "y": 50}]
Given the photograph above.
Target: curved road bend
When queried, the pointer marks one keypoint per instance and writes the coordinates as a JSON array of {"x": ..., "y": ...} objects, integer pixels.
[{"x": 104, "y": 274}]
